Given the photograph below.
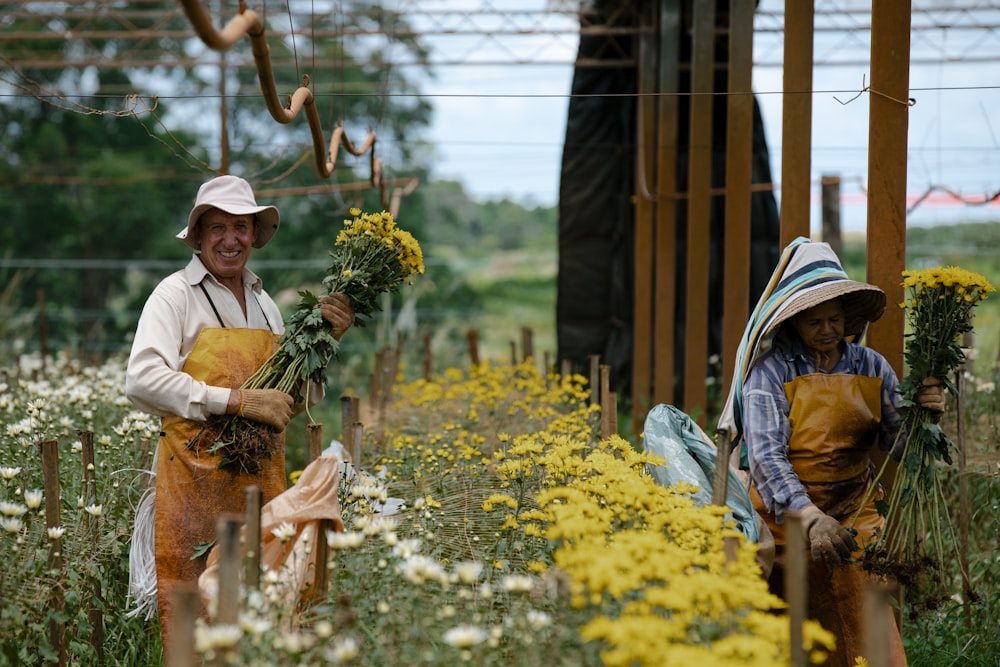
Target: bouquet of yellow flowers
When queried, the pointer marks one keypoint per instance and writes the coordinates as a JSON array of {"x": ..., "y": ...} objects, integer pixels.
[
  {"x": 939, "y": 304},
  {"x": 371, "y": 256}
]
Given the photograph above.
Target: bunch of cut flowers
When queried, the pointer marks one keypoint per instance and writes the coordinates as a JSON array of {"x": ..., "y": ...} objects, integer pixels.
[
  {"x": 371, "y": 256},
  {"x": 939, "y": 305}
]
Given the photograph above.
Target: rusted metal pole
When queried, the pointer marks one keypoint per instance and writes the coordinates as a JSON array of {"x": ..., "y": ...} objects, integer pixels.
[
  {"x": 665, "y": 300},
  {"x": 699, "y": 217},
  {"x": 887, "y": 132},
  {"x": 645, "y": 170},
  {"x": 796, "y": 120},
  {"x": 739, "y": 173}
]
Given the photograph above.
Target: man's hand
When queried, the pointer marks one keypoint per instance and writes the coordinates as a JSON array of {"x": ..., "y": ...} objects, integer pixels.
[
  {"x": 338, "y": 312},
  {"x": 931, "y": 397},
  {"x": 268, "y": 406},
  {"x": 828, "y": 539}
]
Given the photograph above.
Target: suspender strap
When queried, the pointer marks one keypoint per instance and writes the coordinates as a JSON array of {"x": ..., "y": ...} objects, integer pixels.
[{"x": 212, "y": 304}]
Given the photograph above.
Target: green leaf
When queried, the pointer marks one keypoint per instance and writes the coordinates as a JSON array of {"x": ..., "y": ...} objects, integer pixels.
[
  {"x": 201, "y": 549},
  {"x": 882, "y": 507}
]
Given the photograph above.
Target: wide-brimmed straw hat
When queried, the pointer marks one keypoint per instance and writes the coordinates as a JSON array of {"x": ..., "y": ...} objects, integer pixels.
[
  {"x": 233, "y": 195},
  {"x": 815, "y": 275}
]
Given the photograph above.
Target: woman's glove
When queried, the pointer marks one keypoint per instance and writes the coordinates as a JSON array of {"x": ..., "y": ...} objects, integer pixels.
[
  {"x": 338, "y": 312},
  {"x": 828, "y": 539},
  {"x": 268, "y": 406}
]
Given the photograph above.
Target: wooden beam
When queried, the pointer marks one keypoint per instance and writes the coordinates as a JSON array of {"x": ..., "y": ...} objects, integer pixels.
[
  {"x": 699, "y": 217},
  {"x": 796, "y": 121},
  {"x": 887, "y": 134}
]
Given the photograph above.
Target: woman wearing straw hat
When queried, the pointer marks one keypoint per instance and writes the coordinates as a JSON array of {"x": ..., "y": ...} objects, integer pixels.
[
  {"x": 813, "y": 407},
  {"x": 202, "y": 332}
]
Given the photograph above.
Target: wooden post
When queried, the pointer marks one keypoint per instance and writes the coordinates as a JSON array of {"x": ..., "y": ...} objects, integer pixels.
[
  {"x": 228, "y": 546},
  {"x": 665, "y": 289},
  {"x": 547, "y": 369},
  {"x": 94, "y": 614},
  {"x": 796, "y": 586},
  {"x": 699, "y": 217},
  {"x": 739, "y": 175},
  {"x": 565, "y": 369},
  {"x": 513, "y": 353},
  {"x": 321, "y": 576},
  {"x": 347, "y": 418},
  {"x": 720, "y": 485},
  {"x": 830, "y": 209},
  {"x": 527, "y": 344},
  {"x": 187, "y": 607},
  {"x": 796, "y": 121},
  {"x": 43, "y": 327},
  {"x": 609, "y": 414},
  {"x": 887, "y": 159},
  {"x": 595, "y": 387},
  {"x": 251, "y": 562},
  {"x": 472, "y": 339},
  {"x": 428, "y": 359},
  {"x": 877, "y": 616},
  {"x": 359, "y": 435},
  {"x": 50, "y": 481},
  {"x": 643, "y": 241},
  {"x": 963, "y": 489},
  {"x": 315, "y": 434}
]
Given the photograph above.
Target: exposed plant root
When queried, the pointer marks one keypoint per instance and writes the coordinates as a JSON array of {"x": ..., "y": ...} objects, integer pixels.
[{"x": 242, "y": 444}]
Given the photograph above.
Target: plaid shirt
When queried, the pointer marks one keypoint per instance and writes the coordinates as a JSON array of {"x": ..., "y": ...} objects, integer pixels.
[{"x": 765, "y": 417}]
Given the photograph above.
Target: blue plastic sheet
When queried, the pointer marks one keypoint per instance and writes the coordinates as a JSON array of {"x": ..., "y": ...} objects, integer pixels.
[{"x": 690, "y": 457}]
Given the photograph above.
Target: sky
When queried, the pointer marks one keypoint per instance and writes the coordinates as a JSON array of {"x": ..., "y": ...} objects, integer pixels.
[{"x": 499, "y": 129}]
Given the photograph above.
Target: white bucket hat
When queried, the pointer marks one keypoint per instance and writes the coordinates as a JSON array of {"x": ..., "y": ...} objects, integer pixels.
[{"x": 233, "y": 195}]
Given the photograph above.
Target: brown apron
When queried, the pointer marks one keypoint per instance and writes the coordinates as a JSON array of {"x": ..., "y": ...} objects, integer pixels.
[
  {"x": 834, "y": 420},
  {"x": 191, "y": 490}
]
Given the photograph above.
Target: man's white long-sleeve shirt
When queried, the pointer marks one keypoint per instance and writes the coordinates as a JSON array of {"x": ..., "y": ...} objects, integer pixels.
[{"x": 168, "y": 328}]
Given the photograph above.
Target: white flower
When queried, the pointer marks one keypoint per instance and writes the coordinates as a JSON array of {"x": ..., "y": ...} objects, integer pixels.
[
  {"x": 406, "y": 548},
  {"x": 349, "y": 540},
  {"x": 517, "y": 583},
  {"x": 465, "y": 636},
  {"x": 344, "y": 650},
  {"x": 9, "y": 473},
  {"x": 419, "y": 569},
  {"x": 94, "y": 510},
  {"x": 468, "y": 571},
  {"x": 383, "y": 607},
  {"x": 56, "y": 533},
  {"x": 11, "y": 524},
  {"x": 538, "y": 619},
  {"x": 323, "y": 629},
  {"x": 33, "y": 499},
  {"x": 285, "y": 531},
  {"x": 254, "y": 625},
  {"x": 207, "y": 638},
  {"x": 12, "y": 509}
]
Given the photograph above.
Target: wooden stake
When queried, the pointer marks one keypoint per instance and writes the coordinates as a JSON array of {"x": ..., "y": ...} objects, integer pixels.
[
  {"x": 359, "y": 434},
  {"x": 609, "y": 414},
  {"x": 513, "y": 353},
  {"x": 527, "y": 343},
  {"x": 321, "y": 576},
  {"x": 228, "y": 546},
  {"x": 565, "y": 369},
  {"x": 251, "y": 561},
  {"x": 472, "y": 338},
  {"x": 595, "y": 371},
  {"x": 50, "y": 481},
  {"x": 315, "y": 433},
  {"x": 721, "y": 482},
  {"x": 796, "y": 586},
  {"x": 187, "y": 607},
  {"x": 428, "y": 359},
  {"x": 877, "y": 615},
  {"x": 90, "y": 494}
]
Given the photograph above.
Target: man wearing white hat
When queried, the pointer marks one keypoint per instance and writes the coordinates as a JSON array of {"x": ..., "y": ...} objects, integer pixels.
[
  {"x": 202, "y": 332},
  {"x": 811, "y": 409}
]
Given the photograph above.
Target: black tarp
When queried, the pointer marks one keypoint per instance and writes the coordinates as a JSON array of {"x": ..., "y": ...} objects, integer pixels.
[{"x": 596, "y": 212}]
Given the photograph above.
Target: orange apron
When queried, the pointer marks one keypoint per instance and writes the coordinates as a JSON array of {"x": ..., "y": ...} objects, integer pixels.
[
  {"x": 834, "y": 420},
  {"x": 191, "y": 490}
]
